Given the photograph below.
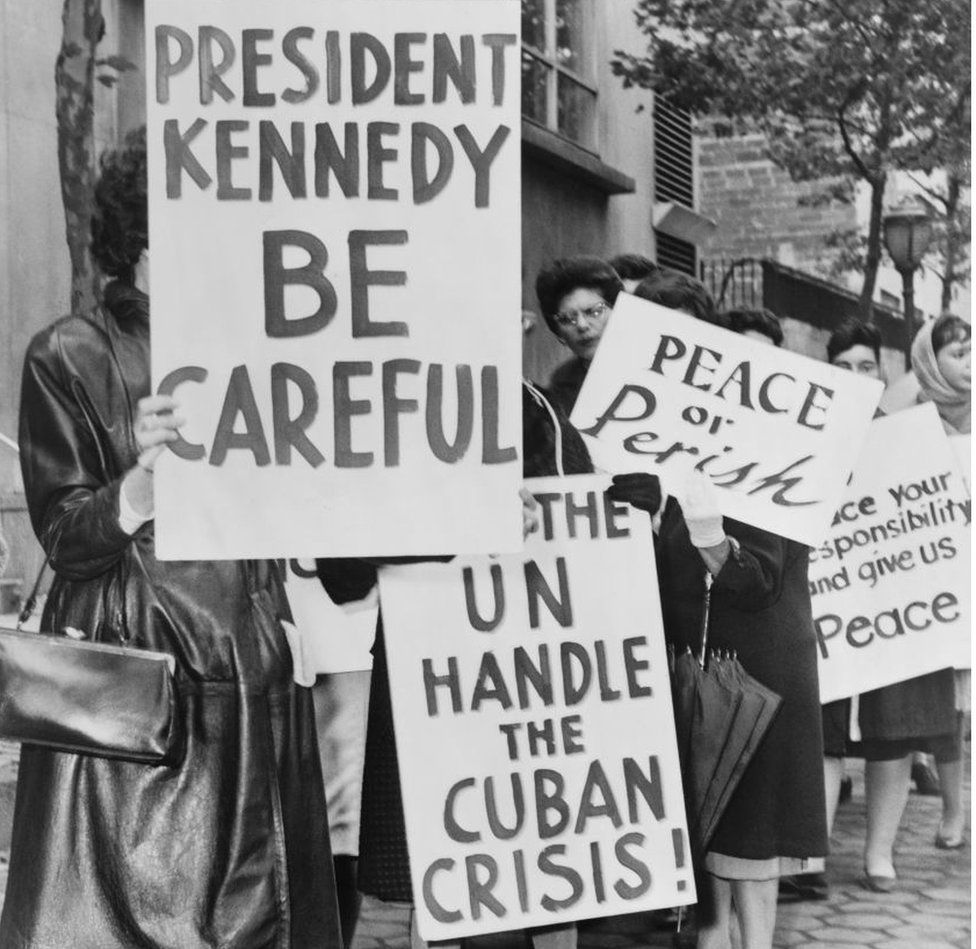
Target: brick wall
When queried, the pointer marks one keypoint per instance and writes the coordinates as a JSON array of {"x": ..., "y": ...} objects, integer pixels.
[{"x": 755, "y": 205}]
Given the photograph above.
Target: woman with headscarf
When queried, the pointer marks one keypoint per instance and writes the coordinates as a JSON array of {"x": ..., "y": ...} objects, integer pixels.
[{"x": 942, "y": 362}]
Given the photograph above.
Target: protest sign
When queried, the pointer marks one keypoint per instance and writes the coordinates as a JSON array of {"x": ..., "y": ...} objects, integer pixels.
[
  {"x": 534, "y": 726},
  {"x": 779, "y": 432},
  {"x": 331, "y": 638},
  {"x": 890, "y": 584},
  {"x": 336, "y": 275}
]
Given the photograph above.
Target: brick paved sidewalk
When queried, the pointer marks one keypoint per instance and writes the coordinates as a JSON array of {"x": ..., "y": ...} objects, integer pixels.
[{"x": 930, "y": 909}]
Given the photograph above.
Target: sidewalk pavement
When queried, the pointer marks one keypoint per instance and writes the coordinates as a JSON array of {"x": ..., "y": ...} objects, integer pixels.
[{"x": 929, "y": 909}]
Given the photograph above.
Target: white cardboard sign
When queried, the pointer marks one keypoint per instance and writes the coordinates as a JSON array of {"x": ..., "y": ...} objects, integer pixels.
[
  {"x": 324, "y": 182},
  {"x": 534, "y": 727},
  {"x": 778, "y": 432},
  {"x": 890, "y": 584}
]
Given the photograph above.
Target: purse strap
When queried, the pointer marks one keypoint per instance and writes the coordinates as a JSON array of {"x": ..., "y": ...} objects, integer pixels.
[{"x": 30, "y": 604}]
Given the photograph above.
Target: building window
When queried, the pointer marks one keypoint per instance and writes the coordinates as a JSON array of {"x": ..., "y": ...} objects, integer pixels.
[{"x": 557, "y": 68}]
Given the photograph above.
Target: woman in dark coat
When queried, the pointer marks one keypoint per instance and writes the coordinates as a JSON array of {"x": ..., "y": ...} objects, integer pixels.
[
  {"x": 550, "y": 446},
  {"x": 230, "y": 846},
  {"x": 760, "y": 608}
]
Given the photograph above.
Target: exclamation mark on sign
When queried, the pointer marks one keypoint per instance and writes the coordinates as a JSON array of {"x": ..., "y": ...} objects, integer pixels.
[{"x": 678, "y": 841}]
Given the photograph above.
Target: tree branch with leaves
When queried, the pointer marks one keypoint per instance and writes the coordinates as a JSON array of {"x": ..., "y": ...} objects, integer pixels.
[{"x": 856, "y": 89}]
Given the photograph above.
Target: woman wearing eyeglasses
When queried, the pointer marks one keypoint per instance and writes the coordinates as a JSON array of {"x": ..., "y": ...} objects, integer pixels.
[{"x": 576, "y": 295}]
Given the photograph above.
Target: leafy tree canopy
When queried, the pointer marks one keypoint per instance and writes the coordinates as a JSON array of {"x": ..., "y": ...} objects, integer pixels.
[{"x": 840, "y": 88}]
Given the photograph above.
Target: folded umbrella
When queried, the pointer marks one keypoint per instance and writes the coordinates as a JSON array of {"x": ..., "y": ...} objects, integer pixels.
[
  {"x": 756, "y": 709},
  {"x": 721, "y": 716}
]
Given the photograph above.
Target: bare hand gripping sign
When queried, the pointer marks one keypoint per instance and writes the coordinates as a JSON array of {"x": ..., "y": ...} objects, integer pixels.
[
  {"x": 534, "y": 727},
  {"x": 669, "y": 394},
  {"x": 334, "y": 196}
]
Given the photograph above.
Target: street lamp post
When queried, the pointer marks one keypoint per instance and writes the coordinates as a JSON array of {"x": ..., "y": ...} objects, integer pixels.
[{"x": 907, "y": 235}]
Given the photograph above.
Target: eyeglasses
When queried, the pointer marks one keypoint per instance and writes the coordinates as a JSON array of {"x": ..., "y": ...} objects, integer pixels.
[{"x": 589, "y": 314}]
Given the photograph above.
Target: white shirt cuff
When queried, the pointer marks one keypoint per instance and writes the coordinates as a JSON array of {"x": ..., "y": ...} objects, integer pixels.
[{"x": 130, "y": 520}]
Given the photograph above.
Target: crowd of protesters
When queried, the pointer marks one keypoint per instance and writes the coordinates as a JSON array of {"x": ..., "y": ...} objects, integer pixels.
[{"x": 231, "y": 848}]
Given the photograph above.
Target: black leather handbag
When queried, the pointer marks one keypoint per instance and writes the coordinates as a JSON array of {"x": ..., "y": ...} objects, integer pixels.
[{"x": 88, "y": 698}]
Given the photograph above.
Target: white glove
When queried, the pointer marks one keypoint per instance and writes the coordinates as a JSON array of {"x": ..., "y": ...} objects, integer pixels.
[{"x": 699, "y": 505}]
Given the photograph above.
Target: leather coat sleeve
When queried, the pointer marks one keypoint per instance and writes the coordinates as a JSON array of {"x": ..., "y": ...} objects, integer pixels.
[
  {"x": 73, "y": 506},
  {"x": 346, "y": 579},
  {"x": 752, "y": 578}
]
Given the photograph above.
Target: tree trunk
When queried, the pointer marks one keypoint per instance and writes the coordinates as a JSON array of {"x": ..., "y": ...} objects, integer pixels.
[
  {"x": 872, "y": 258},
  {"x": 952, "y": 239},
  {"x": 74, "y": 78}
]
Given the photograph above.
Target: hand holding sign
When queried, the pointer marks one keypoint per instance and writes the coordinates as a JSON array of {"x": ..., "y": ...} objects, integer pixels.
[{"x": 699, "y": 506}]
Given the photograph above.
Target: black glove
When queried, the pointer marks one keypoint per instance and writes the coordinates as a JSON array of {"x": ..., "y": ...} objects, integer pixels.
[{"x": 638, "y": 488}]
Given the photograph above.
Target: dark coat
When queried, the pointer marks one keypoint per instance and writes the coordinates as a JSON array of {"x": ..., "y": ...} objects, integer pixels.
[
  {"x": 761, "y": 609},
  {"x": 384, "y": 865},
  {"x": 923, "y": 707},
  {"x": 566, "y": 382},
  {"x": 230, "y": 848}
]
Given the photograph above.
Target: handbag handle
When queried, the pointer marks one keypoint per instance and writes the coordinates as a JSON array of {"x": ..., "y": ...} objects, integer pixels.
[{"x": 30, "y": 604}]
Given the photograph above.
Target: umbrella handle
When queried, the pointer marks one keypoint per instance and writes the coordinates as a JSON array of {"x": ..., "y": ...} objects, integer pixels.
[{"x": 709, "y": 579}]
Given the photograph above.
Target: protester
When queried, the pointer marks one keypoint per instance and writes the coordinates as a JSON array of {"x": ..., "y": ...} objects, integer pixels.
[
  {"x": 760, "y": 325},
  {"x": 895, "y": 720},
  {"x": 230, "y": 846},
  {"x": 550, "y": 446},
  {"x": 942, "y": 361},
  {"x": 632, "y": 269},
  {"x": 679, "y": 291},
  {"x": 760, "y": 608},
  {"x": 576, "y": 295},
  {"x": 341, "y": 700}
]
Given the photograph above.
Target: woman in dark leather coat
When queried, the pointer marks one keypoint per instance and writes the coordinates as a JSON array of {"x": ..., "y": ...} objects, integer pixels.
[{"x": 230, "y": 847}]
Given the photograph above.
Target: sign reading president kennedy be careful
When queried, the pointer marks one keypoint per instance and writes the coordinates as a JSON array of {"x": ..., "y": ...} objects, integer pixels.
[{"x": 335, "y": 269}]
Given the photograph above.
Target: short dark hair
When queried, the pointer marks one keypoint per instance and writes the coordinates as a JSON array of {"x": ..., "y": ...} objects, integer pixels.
[
  {"x": 120, "y": 220},
  {"x": 679, "y": 291},
  {"x": 759, "y": 321},
  {"x": 633, "y": 266},
  {"x": 947, "y": 329},
  {"x": 854, "y": 332},
  {"x": 561, "y": 277}
]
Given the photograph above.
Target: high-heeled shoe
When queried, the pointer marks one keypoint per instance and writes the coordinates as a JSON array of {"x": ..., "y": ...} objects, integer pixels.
[
  {"x": 876, "y": 883},
  {"x": 944, "y": 841}
]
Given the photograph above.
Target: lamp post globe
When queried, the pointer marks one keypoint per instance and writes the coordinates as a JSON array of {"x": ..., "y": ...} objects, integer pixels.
[{"x": 908, "y": 232}]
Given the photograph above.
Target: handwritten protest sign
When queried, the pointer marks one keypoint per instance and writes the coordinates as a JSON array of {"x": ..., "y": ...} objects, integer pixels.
[
  {"x": 534, "y": 727},
  {"x": 890, "y": 583},
  {"x": 777, "y": 431},
  {"x": 334, "y": 220}
]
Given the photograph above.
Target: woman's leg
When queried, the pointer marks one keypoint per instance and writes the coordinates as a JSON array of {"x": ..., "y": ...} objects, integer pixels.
[
  {"x": 953, "y": 821},
  {"x": 886, "y": 789},
  {"x": 755, "y": 905},
  {"x": 833, "y": 772},
  {"x": 417, "y": 941},
  {"x": 554, "y": 937},
  {"x": 713, "y": 933},
  {"x": 948, "y": 761}
]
